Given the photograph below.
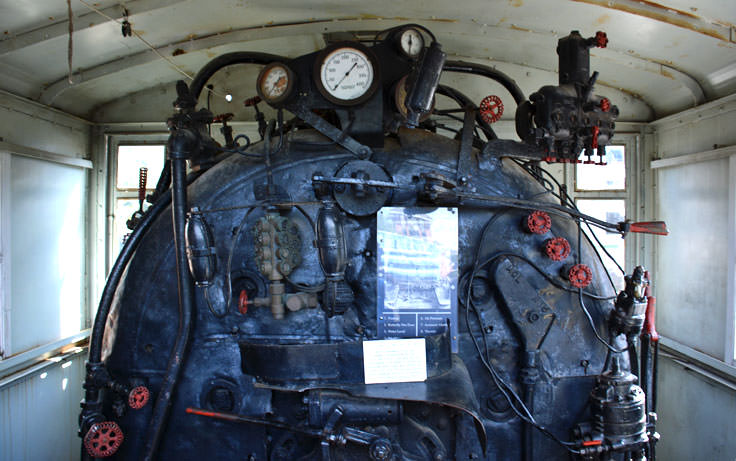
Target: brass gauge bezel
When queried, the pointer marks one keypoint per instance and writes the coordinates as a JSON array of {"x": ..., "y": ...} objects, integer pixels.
[{"x": 290, "y": 83}]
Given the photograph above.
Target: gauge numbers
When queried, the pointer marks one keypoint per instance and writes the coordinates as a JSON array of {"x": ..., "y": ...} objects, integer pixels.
[
  {"x": 346, "y": 75},
  {"x": 275, "y": 83}
]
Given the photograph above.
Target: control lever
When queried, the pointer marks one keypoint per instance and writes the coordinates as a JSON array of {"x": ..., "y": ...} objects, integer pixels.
[{"x": 644, "y": 227}]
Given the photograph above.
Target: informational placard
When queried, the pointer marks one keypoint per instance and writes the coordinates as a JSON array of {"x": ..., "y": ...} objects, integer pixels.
[
  {"x": 395, "y": 361},
  {"x": 417, "y": 272}
]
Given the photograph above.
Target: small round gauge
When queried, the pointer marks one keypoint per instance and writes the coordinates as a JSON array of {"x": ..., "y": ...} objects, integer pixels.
[
  {"x": 275, "y": 83},
  {"x": 345, "y": 73},
  {"x": 411, "y": 42}
]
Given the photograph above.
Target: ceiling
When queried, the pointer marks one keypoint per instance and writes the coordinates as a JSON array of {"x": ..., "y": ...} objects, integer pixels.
[{"x": 661, "y": 58}]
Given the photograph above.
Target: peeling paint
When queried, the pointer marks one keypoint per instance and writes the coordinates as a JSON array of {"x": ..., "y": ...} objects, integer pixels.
[
  {"x": 515, "y": 27},
  {"x": 178, "y": 52},
  {"x": 516, "y": 3},
  {"x": 672, "y": 16}
]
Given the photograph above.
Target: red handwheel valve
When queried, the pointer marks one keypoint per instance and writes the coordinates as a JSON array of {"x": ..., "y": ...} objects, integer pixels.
[
  {"x": 557, "y": 248},
  {"x": 103, "y": 439},
  {"x": 601, "y": 39},
  {"x": 605, "y": 104},
  {"x": 138, "y": 397},
  {"x": 580, "y": 276},
  {"x": 538, "y": 222},
  {"x": 491, "y": 109}
]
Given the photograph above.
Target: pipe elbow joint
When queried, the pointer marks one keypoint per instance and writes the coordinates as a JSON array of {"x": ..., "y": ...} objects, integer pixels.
[{"x": 182, "y": 144}]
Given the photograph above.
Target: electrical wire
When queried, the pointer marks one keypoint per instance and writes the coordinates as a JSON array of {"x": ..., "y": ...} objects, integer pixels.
[{"x": 506, "y": 390}]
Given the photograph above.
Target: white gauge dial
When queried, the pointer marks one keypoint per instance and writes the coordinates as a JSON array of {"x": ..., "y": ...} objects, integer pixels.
[
  {"x": 412, "y": 42},
  {"x": 275, "y": 83},
  {"x": 346, "y": 74}
]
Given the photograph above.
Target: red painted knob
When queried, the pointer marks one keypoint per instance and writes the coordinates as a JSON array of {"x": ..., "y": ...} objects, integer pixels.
[
  {"x": 138, "y": 397},
  {"x": 538, "y": 222},
  {"x": 594, "y": 137},
  {"x": 103, "y": 439},
  {"x": 491, "y": 109},
  {"x": 557, "y": 248},
  {"x": 605, "y": 105},
  {"x": 580, "y": 275},
  {"x": 243, "y": 302},
  {"x": 601, "y": 39}
]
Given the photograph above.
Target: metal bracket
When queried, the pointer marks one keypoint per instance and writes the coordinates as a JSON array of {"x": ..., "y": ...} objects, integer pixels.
[{"x": 348, "y": 142}]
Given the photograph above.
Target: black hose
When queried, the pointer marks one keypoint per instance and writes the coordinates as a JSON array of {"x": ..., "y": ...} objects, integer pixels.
[
  {"x": 181, "y": 144},
  {"x": 227, "y": 59},
  {"x": 465, "y": 67}
]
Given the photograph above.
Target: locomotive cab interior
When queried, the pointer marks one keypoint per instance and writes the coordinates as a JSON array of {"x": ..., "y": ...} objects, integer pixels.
[{"x": 387, "y": 231}]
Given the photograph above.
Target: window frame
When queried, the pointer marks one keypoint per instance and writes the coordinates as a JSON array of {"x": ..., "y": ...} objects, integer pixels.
[
  {"x": 9, "y": 363},
  {"x": 113, "y": 193},
  {"x": 630, "y": 194}
]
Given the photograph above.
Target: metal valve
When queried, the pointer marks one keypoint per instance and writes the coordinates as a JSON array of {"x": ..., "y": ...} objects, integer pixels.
[{"x": 103, "y": 439}]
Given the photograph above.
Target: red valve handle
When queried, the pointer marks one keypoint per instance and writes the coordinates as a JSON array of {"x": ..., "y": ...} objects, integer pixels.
[
  {"x": 103, "y": 439},
  {"x": 557, "y": 248},
  {"x": 138, "y": 397},
  {"x": 580, "y": 276},
  {"x": 601, "y": 39},
  {"x": 491, "y": 109},
  {"x": 538, "y": 222}
]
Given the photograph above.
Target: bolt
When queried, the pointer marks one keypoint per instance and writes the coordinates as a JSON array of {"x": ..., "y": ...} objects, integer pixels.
[{"x": 532, "y": 317}]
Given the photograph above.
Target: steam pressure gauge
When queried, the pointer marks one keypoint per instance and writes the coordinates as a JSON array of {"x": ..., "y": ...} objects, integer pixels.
[
  {"x": 345, "y": 73},
  {"x": 411, "y": 42},
  {"x": 275, "y": 83}
]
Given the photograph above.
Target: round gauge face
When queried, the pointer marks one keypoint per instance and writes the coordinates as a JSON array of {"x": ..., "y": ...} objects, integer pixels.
[
  {"x": 412, "y": 42},
  {"x": 346, "y": 75},
  {"x": 275, "y": 83}
]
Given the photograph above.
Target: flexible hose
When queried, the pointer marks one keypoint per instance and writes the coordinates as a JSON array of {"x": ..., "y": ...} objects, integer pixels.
[
  {"x": 227, "y": 59},
  {"x": 464, "y": 67}
]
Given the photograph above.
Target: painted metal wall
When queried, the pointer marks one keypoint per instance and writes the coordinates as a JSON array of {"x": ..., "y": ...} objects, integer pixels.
[
  {"x": 38, "y": 415},
  {"x": 38, "y": 411},
  {"x": 694, "y": 178}
]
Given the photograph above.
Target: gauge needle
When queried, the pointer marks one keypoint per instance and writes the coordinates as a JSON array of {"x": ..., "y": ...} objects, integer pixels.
[{"x": 345, "y": 76}]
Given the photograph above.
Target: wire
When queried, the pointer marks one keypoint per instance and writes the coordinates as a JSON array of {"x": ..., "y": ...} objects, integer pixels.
[
  {"x": 230, "y": 258},
  {"x": 149, "y": 45}
]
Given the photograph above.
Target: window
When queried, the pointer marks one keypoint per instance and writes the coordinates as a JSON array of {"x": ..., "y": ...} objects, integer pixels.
[
  {"x": 600, "y": 191},
  {"x": 43, "y": 203},
  {"x": 129, "y": 160}
]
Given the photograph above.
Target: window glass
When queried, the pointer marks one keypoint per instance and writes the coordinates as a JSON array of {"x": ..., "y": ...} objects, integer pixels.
[
  {"x": 132, "y": 158},
  {"x": 613, "y": 211},
  {"x": 612, "y": 176}
]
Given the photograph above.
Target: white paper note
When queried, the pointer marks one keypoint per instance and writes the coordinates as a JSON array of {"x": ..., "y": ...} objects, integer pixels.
[{"x": 395, "y": 361}]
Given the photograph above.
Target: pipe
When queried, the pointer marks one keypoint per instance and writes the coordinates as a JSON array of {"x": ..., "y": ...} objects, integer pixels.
[
  {"x": 529, "y": 379},
  {"x": 227, "y": 59},
  {"x": 464, "y": 101},
  {"x": 181, "y": 144},
  {"x": 465, "y": 67}
]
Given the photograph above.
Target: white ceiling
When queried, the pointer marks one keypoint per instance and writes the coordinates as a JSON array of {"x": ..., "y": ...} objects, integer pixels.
[{"x": 662, "y": 58}]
